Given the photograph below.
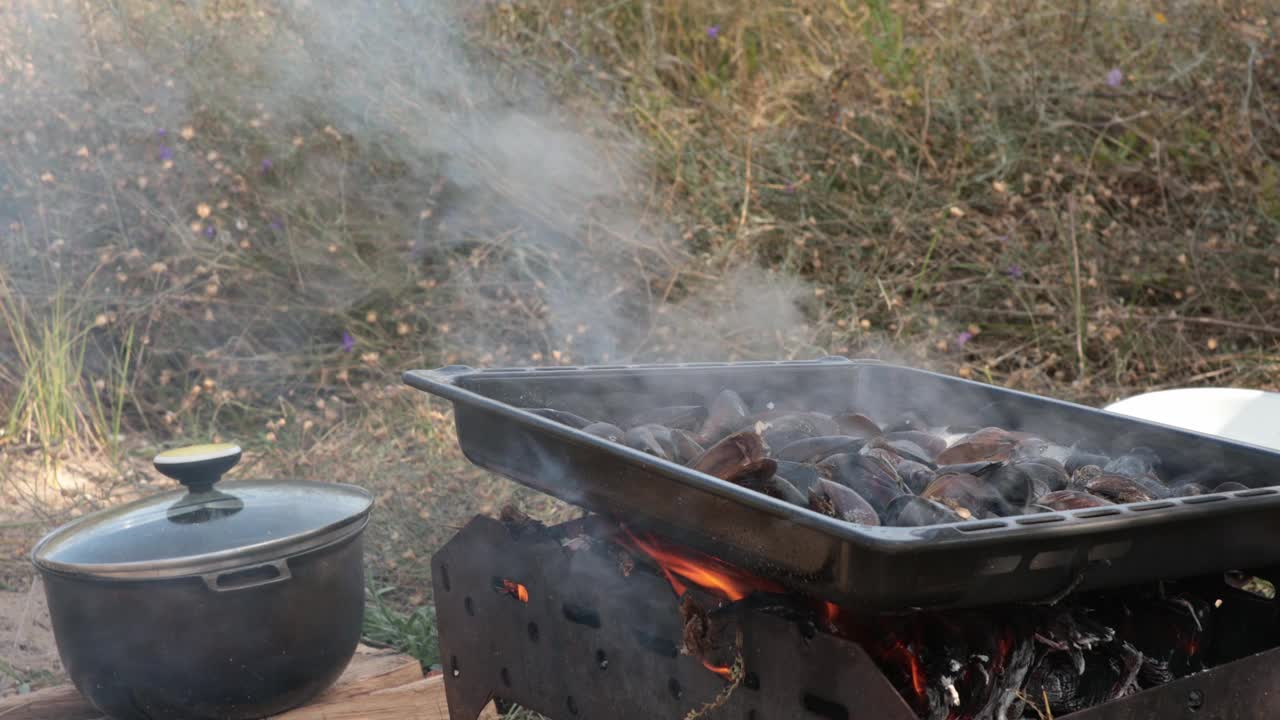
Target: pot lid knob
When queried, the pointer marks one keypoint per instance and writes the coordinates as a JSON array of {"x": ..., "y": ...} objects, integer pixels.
[{"x": 198, "y": 466}]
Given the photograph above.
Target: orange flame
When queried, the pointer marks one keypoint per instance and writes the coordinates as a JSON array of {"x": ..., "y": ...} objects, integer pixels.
[
  {"x": 515, "y": 590},
  {"x": 722, "y": 671},
  {"x": 901, "y": 652},
  {"x": 681, "y": 566}
]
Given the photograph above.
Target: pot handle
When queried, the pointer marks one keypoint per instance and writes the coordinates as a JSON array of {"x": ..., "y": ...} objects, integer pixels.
[
  {"x": 198, "y": 466},
  {"x": 249, "y": 577}
]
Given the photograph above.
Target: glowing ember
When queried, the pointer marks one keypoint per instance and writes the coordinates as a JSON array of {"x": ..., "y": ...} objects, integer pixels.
[{"x": 515, "y": 590}]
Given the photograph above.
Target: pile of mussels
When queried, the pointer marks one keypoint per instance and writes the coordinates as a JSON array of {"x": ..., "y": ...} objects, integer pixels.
[{"x": 904, "y": 473}]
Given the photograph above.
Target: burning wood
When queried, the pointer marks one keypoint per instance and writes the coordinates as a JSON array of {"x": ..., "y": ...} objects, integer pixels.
[{"x": 988, "y": 664}]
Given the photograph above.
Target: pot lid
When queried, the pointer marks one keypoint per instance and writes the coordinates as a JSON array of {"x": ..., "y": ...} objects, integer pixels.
[{"x": 203, "y": 529}]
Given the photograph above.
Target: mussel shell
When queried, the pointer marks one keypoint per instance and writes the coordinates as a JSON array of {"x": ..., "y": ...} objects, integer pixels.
[
  {"x": 1082, "y": 475},
  {"x": 908, "y": 420},
  {"x": 914, "y": 475},
  {"x": 877, "y": 483},
  {"x": 1021, "y": 481},
  {"x": 608, "y": 431},
  {"x": 1119, "y": 489},
  {"x": 782, "y": 430},
  {"x": 642, "y": 438},
  {"x": 838, "y": 501},
  {"x": 726, "y": 413},
  {"x": 968, "y": 495},
  {"x": 676, "y": 417},
  {"x": 802, "y": 475},
  {"x": 902, "y": 449},
  {"x": 981, "y": 469},
  {"x": 736, "y": 456},
  {"x": 857, "y": 425},
  {"x": 1079, "y": 459},
  {"x": 776, "y": 486},
  {"x": 988, "y": 444},
  {"x": 1230, "y": 486},
  {"x": 563, "y": 417},
  {"x": 915, "y": 511},
  {"x": 815, "y": 449},
  {"x": 1189, "y": 489},
  {"x": 1071, "y": 500},
  {"x": 687, "y": 448},
  {"x": 926, "y": 441}
]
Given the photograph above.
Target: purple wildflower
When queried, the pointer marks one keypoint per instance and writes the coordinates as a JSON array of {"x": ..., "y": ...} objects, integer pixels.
[
  {"x": 166, "y": 152},
  {"x": 210, "y": 230},
  {"x": 162, "y": 132},
  {"x": 266, "y": 165},
  {"x": 791, "y": 188},
  {"x": 963, "y": 338},
  {"x": 348, "y": 342},
  {"x": 276, "y": 224},
  {"x": 1014, "y": 271},
  {"x": 713, "y": 32},
  {"x": 1115, "y": 77}
]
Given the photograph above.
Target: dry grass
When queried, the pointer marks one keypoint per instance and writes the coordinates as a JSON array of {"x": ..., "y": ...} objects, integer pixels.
[{"x": 229, "y": 219}]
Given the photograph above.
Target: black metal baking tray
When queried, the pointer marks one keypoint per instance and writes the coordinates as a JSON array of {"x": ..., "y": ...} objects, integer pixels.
[{"x": 1027, "y": 558}]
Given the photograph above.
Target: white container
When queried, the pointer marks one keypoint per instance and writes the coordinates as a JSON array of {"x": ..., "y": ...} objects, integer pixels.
[{"x": 1250, "y": 416}]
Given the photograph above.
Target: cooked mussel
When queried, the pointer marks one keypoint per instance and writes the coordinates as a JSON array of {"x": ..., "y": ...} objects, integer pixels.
[
  {"x": 642, "y": 438},
  {"x": 1119, "y": 489},
  {"x": 857, "y": 425},
  {"x": 1230, "y": 486},
  {"x": 775, "y": 486},
  {"x": 608, "y": 431},
  {"x": 914, "y": 475},
  {"x": 735, "y": 457},
  {"x": 782, "y": 430},
  {"x": 816, "y": 449},
  {"x": 676, "y": 417},
  {"x": 726, "y": 413},
  {"x": 877, "y": 482},
  {"x": 928, "y": 442},
  {"x": 840, "y": 502},
  {"x": 802, "y": 475},
  {"x": 988, "y": 444},
  {"x": 915, "y": 511},
  {"x": 686, "y": 446},
  {"x": 1071, "y": 500},
  {"x": 969, "y": 496}
]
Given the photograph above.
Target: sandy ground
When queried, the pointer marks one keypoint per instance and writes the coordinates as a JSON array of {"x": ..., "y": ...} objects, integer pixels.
[{"x": 28, "y": 655}]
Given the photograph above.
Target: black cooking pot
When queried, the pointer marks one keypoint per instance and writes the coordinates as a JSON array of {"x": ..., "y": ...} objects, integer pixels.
[{"x": 226, "y": 604}]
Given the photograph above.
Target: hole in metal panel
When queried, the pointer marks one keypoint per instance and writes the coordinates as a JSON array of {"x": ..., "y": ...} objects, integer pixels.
[
  {"x": 751, "y": 681},
  {"x": 1052, "y": 558},
  {"x": 444, "y": 577},
  {"x": 602, "y": 660},
  {"x": 1000, "y": 565},
  {"x": 453, "y": 666},
  {"x": 533, "y": 631},
  {"x": 1158, "y": 505},
  {"x": 506, "y": 677},
  {"x": 825, "y": 708},
  {"x": 1203, "y": 499},
  {"x": 1109, "y": 551},
  {"x": 673, "y": 687},
  {"x": 572, "y": 705},
  {"x": 1100, "y": 512},
  {"x": 471, "y": 608},
  {"x": 1039, "y": 519},
  {"x": 581, "y": 615},
  {"x": 975, "y": 527}
]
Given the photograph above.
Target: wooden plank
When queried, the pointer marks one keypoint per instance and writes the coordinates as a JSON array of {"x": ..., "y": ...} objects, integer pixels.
[{"x": 371, "y": 671}]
